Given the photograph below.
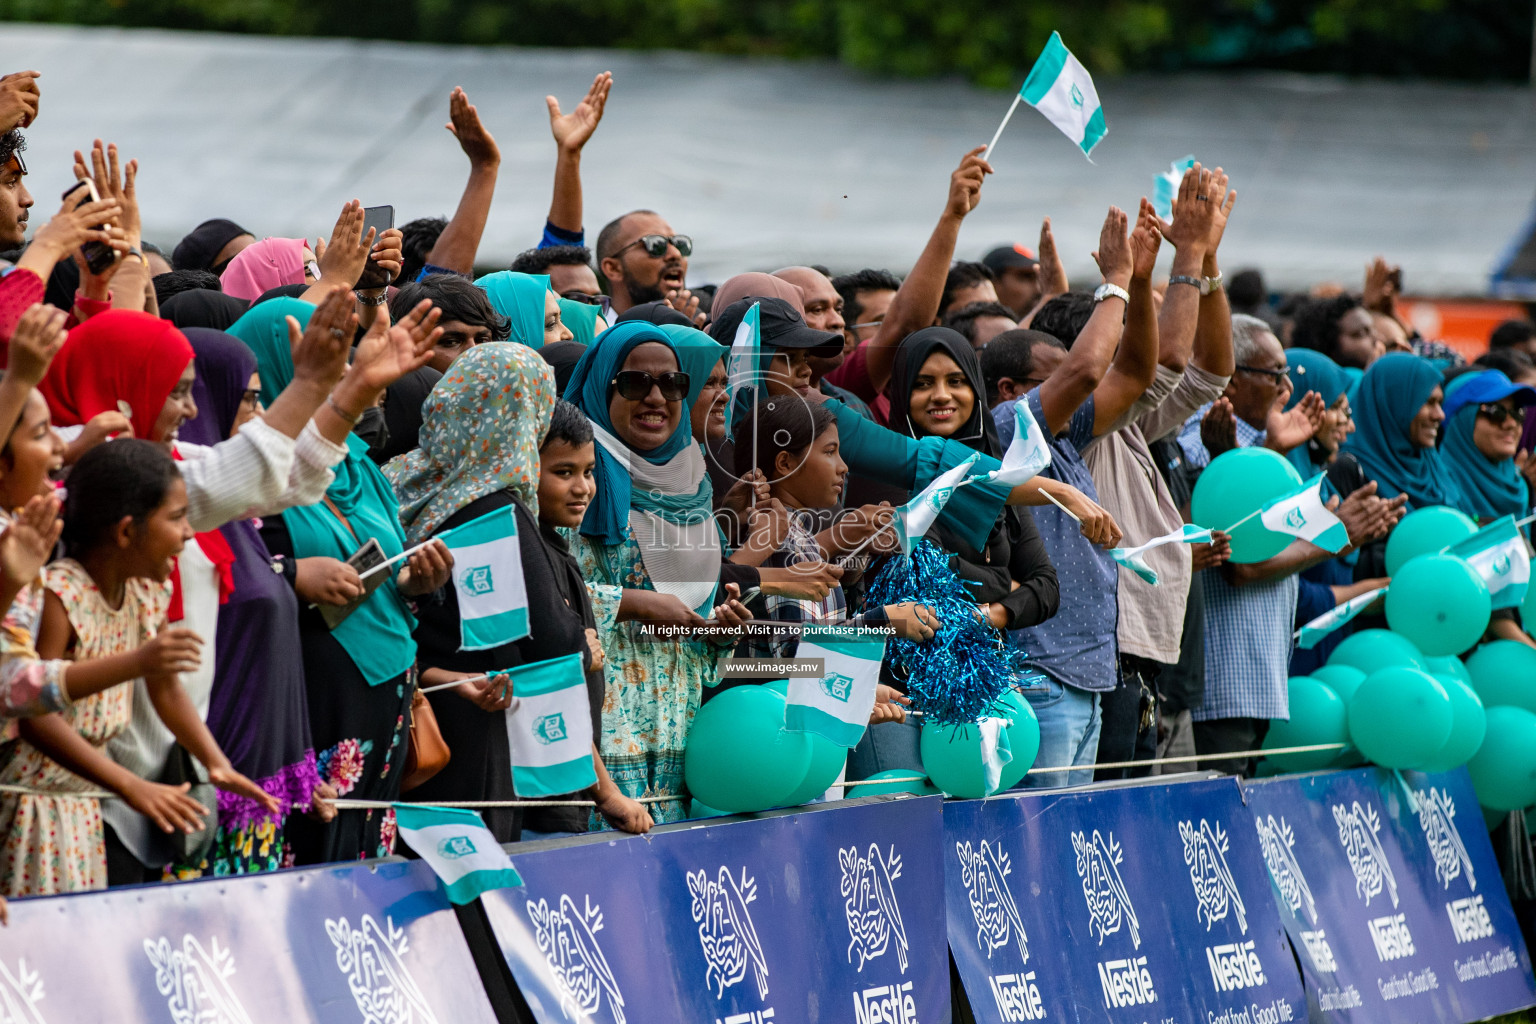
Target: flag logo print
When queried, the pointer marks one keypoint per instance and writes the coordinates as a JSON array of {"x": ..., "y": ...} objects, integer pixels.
[
  {"x": 550, "y": 728},
  {"x": 478, "y": 581},
  {"x": 1501, "y": 565},
  {"x": 1077, "y": 96},
  {"x": 455, "y": 847},
  {"x": 1294, "y": 519},
  {"x": 837, "y": 686}
]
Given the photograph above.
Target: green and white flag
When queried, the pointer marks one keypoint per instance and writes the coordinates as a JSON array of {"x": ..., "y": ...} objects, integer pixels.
[
  {"x": 1499, "y": 555},
  {"x": 743, "y": 363},
  {"x": 1131, "y": 557},
  {"x": 915, "y": 517},
  {"x": 1165, "y": 187},
  {"x": 1301, "y": 513},
  {"x": 488, "y": 580},
  {"x": 463, "y": 852},
  {"x": 996, "y": 750},
  {"x": 549, "y": 728},
  {"x": 1028, "y": 453},
  {"x": 1308, "y": 636},
  {"x": 1060, "y": 88},
  {"x": 836, "y": 706}
]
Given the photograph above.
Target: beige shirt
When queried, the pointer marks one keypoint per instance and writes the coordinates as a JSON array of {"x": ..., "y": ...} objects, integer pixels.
[{"x": 1133, "y": 491}]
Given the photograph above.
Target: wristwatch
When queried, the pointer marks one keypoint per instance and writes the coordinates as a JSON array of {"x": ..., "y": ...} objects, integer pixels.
[
  {"x": 1107, "y": 290},
  {"x": 1210, "y": 284},
  {"x": 1186, "y": 279},
  {"x": 373, "y": 300}
]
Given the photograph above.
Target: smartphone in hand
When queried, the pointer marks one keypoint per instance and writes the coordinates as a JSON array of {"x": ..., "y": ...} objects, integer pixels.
[{"x": 98, "y": 256}]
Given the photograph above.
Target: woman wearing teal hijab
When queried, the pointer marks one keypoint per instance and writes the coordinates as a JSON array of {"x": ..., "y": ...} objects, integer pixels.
[
  {"x": 649, "y": 532},
  {"x": 1313, "y": 371},
  {"x": 1484, "y": 414},
  {"x": 526, "y": 301},
  {"x": 581, "y": 319},
  {"x": 1398, "y": 414},
  {"x": 360, "y": 675}
]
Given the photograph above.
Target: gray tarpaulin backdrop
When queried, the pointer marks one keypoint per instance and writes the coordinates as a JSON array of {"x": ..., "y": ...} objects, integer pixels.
[{"x": 767, "y": 162}]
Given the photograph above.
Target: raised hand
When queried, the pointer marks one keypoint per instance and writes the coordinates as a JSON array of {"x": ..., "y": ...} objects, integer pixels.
[
  {"x": 1286, "y": 430},
  {"x": 1192, "y": 211},
  {"x": 27, "y": 544},
  {"x": 1218, "y": 428},
  {"x": 571, "y": 131},
  {"x": 320, "y": 350},
  {"x": 1114, "y": 252},
  {"x": 1222, "y": 201},
  {"x": 1381, "y": 286},
  {"x": 687, "y": 303},
  {"x": 114, "y": 183},
  {"x": 19, "y": 98},
  {"x": 465, "y": 124},
  {"x": 1053, "y": 275},
  {"x": 97, "y": 429},
  {"x": 1146, "y": 239},
  {"x": 75, "y": 224},
  {"x": 343, "y": 260},
  {"x": 965, "y": 183},
  {"x": 389, "y": 352},
  {"x": 37, "y": 339}
]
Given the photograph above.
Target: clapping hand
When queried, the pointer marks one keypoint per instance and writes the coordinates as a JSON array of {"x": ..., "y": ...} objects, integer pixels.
[
  {"x": 1285, "y": 430},
  {"x": 571, "y": 131},
  {"x": 465, "y": 124},
  {"x": 1193, "y": 211},
  {"x": 37, "y": 339},
  {"x": 1114, "y": 252},
  {"x": 19, "y": 99},
  {"x": 28, "y": 543},
  {"x": 1146, "y": 239}
]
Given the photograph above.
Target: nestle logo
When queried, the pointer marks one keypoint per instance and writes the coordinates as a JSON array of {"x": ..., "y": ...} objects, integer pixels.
[
  {"x": 1126, "y": 982},
  {"x": 885, "y": 1004},
  {"x": 1018, "y": 997},
  {"x": 1319, "y": 950},
  {"x": 1469, "y": 919},
  {"x": 1391, "y": 937},
  {"x": 1235, "y": 965}
]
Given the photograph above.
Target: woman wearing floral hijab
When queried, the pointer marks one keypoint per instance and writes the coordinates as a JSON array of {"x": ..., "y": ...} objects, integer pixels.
[{"x": 479, "y": 453}]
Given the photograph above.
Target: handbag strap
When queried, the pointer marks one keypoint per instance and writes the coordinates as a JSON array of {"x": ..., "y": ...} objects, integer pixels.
[{"x": 339, "y": 514}]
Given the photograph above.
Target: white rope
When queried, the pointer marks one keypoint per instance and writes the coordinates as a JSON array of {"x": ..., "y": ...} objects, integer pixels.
[{"x": 359, "y": 805}]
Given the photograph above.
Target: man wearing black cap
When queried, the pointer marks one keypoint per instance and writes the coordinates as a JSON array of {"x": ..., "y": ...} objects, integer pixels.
[
  {"x": 211, "y": 245},
  {"x": 1016, "y": 274}
]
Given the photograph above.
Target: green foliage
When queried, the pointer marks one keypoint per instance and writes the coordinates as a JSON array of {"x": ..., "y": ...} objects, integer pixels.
[{"x": 990, "y": 42}]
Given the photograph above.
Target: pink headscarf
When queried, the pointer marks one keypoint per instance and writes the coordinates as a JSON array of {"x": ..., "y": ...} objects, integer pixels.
[
  {"x": 262, "y": 266},
  {"x": 757, "y": 286}
]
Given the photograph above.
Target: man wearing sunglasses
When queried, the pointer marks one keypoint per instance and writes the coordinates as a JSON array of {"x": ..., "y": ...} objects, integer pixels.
[{"x": 641, "y": 259}]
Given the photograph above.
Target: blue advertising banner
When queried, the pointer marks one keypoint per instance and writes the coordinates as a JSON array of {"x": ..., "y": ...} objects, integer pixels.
[
  {"x": 832, "y": 915},
  {"x": 1134, "y": 904},
  {"x": 1394, "y": 903},
  {"x": 370, "y": 945}
]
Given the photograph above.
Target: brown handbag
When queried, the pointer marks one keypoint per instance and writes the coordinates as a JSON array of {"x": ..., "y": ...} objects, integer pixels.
[{"x": 426, "y": 753}]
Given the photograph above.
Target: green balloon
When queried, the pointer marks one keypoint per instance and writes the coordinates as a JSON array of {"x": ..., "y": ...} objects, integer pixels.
[
  {"x": 1400, "y": 717},
  {"x": 1023, "y": 736},
  {"x": 1449, "y": 665},
  {"x": 1373, "y": 649},
  {"x": 827, "y": 760},
  {"x": 698, "y": 810},
  {"x": 952, "y": 759},
  {"x": 1468, "y": 724},
  {"x": 922, "y": 787},
  {"x": 1344, "y": 679},
  {"x": 1426, "y": 531},
  {"x": 739, "y": 755},
  {"x": 1504, "y": 769},
  {"x": 1440, "y": 603},
  {"x": 1504, "y": 673},
  {"x": 1318, "y": 715},
  {"x": 1235, "y": 485}
]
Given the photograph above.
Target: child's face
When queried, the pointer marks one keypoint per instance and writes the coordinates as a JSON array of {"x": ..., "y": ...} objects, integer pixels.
[
  {"x": 566, "y": 482},
  {"x": 154, "y": 544},
  {"x": 34, "y": 454},
  {"x": 813, "y": 478}
]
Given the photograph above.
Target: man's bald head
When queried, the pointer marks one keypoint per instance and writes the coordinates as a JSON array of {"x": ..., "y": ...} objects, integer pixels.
[{"x": 823, "y": 311}]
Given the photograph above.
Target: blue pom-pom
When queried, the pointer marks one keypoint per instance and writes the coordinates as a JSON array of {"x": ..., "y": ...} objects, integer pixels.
[{"x": 955, "y": 677}]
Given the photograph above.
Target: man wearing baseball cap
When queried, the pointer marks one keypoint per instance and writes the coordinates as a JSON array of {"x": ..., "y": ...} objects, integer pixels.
[{"x": 1018, "y": 276}]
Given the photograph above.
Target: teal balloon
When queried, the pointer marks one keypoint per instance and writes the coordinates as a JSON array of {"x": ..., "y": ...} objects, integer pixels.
[
  {"x": 1469, "y": 722},
  {"x": 1235, "y": 485},
  {"x": 1504, "y": 673},
  {"x": 952, "y": 759},
  {"x": 1400, "y": 717},
  {"x": 739, "y": 755},
  {"x": 1426, "y": 531},
  {"x": 1440, "y": 603},
  {"x": 1504, "y": 769},
  {"x": 922, "y": 787},
  {"x": 1448, "y": 665},
  {"x": 1318, "y": 715},
  {"x": 698, "y": 810},
  {"x": 1344, "y": 679},
  {"x": 1023, "y": 736},
  {"x": 1372, "y": 649},
  {"x": 827, "y": 760}
]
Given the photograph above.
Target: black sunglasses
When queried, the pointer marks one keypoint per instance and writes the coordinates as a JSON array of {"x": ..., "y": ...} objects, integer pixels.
[
  {"x": 635, "y": 385},
  {"x": 656, "y": 245},
  {"x": 1274, "y": 375},
  {"x": 1496, "y": 414}
]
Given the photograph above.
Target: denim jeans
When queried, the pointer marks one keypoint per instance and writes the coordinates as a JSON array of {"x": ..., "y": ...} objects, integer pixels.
[
  {"x": 1069, "y": 731},
  {"x": 884, "y": 747}
]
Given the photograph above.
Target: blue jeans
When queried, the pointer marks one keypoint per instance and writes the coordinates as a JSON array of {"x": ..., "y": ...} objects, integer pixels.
[
  {"x": 884, "y": 747},
  {"x": 1069, "y": 731}
]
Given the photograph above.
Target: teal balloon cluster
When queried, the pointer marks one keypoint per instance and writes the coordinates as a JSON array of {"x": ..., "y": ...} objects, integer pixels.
[
  {"x": 952, "y": 754},
  {"x": 1234, "y": 486},
  {"x": 740, "y": 757}
]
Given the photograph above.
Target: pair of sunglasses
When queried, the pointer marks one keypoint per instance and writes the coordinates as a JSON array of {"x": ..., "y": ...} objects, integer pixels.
[
  {"x": 1497, "y": 414},
  {"x": 634, "y": 385},
  {"x": 656, "y": 245}
]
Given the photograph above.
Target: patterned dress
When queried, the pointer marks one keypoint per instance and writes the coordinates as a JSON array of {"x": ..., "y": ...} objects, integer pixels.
[
  {"x": 54, "y": 844},
  {"x": 653, "y": 689}
]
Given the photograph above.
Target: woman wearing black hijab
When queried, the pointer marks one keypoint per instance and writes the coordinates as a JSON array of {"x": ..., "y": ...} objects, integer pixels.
[
  {"x": 203, "y": 308},
  {"x": 402, "y": 413},
  {"x": 563, "y": 356}
]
